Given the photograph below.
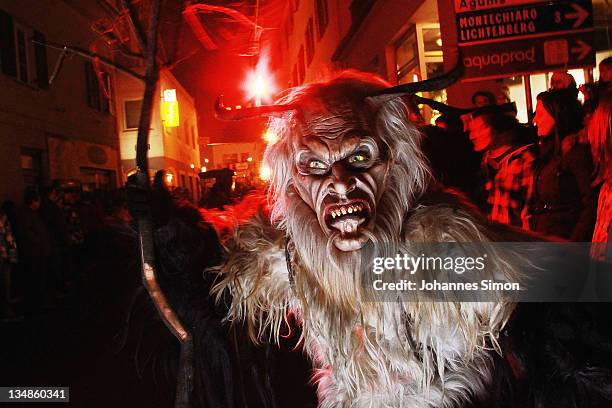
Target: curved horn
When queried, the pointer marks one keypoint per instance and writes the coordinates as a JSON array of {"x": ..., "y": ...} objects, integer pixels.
[
  {"x": 228, "y": 113},
  {"x": 431, "y": 84},
  {"x": 509, "y": 107},
  {"x": 442, "y": 107}
]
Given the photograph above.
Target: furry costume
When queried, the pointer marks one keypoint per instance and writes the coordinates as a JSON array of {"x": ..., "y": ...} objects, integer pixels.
[
  {"x": 339, "y": 152},
  {"x": 365, "y": 354}
]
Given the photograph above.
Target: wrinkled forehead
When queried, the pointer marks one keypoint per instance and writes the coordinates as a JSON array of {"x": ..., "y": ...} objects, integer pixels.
[{"x": 331, "y": 121}]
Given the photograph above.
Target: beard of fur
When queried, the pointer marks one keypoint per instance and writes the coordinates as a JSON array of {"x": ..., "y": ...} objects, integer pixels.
[
  {"x": 328, "y": 281},
  {"x": 367, "y": 338},
  {"x": 335, "y": 275}
]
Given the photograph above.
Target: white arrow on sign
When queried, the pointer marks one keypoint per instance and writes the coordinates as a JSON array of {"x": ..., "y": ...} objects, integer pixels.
[
  {"x": 580, "y": 15},
  {"x": 582, "y": 49}
]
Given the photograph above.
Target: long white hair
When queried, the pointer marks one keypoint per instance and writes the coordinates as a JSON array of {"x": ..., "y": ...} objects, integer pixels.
[{"x": 369, "y": 343}]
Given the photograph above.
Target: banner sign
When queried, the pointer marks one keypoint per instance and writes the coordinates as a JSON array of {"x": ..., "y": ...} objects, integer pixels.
[
  {"x": 524, "y": 57},
  {"x": 501, "y": 38}
]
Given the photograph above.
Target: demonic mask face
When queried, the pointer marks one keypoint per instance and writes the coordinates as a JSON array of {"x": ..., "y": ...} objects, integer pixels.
[{"x": 341, "y": 169}]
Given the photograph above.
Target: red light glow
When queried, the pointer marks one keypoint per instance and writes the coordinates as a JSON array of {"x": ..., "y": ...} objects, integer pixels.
[
  {"x": 260, "y": 84},
  {"x": 270, "y": 137},
  {"x": 265, "y": 173}
]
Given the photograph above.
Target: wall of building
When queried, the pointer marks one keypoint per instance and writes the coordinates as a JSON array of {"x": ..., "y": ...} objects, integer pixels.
[
  {"x": 181, "y": 143},
  {"x": 173, "y": 149},
  {"x": 131, "y": 89},
  {"x": 367, "y": 44},
  {"x": 29, "y": 115},
  {"x": 294, "y": 30},
  {"x": 370, "y": 45}
]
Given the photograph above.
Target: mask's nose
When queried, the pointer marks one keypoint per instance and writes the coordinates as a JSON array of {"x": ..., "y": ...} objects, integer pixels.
[{"x": 342, "y": 181}]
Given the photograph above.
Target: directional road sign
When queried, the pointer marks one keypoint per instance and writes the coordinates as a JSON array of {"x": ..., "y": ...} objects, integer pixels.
[{"x": 500, "y": 38}]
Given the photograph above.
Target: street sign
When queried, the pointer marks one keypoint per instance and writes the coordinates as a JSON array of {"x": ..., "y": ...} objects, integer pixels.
[
  {"x": 501, "y": 38},
  {"x": 524, "y": 57},
  {"x": 522, "y": 21},
  {"x": 462, "y": 6}
]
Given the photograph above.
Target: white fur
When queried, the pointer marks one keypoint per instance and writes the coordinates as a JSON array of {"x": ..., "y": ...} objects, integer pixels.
[{"x": 365, "y": 354}]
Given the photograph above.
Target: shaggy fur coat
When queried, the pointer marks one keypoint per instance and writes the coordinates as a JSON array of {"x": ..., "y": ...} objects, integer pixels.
[
  {"x": 549, "y": 355},
  {"x": 389, "y": 354}
]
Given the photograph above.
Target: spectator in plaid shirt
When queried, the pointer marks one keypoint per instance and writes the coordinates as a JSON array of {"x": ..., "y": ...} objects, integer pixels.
[{"x": 507, "y": 166}]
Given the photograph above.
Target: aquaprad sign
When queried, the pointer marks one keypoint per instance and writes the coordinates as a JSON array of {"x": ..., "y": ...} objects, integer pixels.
[{"x": 500, "y": 59}]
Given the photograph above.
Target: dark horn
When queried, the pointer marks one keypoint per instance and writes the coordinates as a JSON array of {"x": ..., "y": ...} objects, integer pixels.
[
  {"x": 228, "y": 113},
  {"x": 442, "y": 107},
  {"x": 431, "y": 84}
]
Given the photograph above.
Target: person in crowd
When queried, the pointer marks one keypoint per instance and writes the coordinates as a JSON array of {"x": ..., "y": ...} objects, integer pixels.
[
  {"x": 601, "y": 149},
  {"x": 76, "y": 233},
  {"x": 449, "y": 152},
  {"x": 593, "y": 91},
  {"x": 17, "y": 275},
  {"x": 91, "y": 212},
  {"x": 8, "y": 258},
  {"x": 53, "y": 216},
  {"x": 35, "y": 248},
  {"x": 507, "y": 166},
  {"x": 564, "y": 80},
  {"x": 503, "y": 95},
  {"x": 450, "y": 123},
  {"x": 564, "y": 200},
  {"x": 605, "y": 71},
  {"x": 483, "y": 98}
]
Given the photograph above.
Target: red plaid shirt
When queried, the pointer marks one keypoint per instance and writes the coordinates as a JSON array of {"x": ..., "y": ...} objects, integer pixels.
[{"x": 509, "y": 186}]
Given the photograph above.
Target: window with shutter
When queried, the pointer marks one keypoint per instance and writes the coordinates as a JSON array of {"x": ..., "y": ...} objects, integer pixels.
[
  {"x": 8, "y": 58},
  {"x": 22, "y": 53},
  {"x": 98, "y": 89},
  {"x": 132, "y": 113},
  {"x": 40, "y": 55}
]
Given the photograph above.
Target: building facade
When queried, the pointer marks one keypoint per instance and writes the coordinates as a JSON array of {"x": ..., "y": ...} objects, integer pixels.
[
  {"x": 62, "y": 130},
  {"x": 65, "y": 115},
  {"x": 173, "y": 135},
  {"x": 402, "y": 41}
]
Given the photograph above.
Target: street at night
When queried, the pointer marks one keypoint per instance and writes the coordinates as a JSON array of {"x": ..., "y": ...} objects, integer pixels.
[{"x": 306, "y": 203}]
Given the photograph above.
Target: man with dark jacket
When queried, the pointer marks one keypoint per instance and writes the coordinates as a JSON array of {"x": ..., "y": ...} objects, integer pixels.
[
  {"x": 35, "y": 248},
  {"x": 58, "y": 233}
]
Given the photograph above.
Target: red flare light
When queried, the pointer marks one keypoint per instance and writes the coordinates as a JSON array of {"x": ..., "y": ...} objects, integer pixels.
[{"x": 260, "y": 84}]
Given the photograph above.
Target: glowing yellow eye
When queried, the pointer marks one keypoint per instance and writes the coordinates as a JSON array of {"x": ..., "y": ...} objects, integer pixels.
[
  {"x": 358, "y": 158},
  {"x": 316, "y": 164}
]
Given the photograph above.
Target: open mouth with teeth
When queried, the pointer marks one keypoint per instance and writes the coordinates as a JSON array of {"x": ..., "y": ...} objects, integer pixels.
[{"x": 347, "y": 217}]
